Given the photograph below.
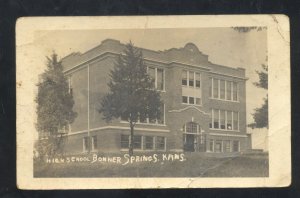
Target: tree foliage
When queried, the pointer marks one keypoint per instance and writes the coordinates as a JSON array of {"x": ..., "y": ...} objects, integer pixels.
[
  {"x": 132, "y": 95},
  {"x": 54, "y": 107},
  {"x": 260, "y": 115}
]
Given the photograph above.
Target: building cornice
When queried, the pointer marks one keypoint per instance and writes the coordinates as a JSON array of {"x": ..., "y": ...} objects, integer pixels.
[
  {"x": 119, "y": 127},
  {"x": 170, "y": 64}
]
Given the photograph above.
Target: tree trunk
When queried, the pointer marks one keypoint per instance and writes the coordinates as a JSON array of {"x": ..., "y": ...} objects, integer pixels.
[{"x": 131, "y": 139}]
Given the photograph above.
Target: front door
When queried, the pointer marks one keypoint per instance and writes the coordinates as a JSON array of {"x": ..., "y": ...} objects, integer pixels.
[{"x": 190, "y": 143}]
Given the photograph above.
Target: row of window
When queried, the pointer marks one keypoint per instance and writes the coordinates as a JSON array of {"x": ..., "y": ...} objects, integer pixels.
[
  {"x": 86, "y": 143},
  {"x": 191, "y": 100},
  {"x": 223, "y": 89},
  {"x": 161, "y": 120},
  {"x": 219, "y": 146},
  {"x": 222, "y": 119},
  {"x": 144, "y": 142},
  {"x": 191, "y": 79}
]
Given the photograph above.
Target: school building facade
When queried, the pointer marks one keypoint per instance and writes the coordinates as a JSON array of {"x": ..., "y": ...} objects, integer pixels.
[{"x": 204, "y": 104}]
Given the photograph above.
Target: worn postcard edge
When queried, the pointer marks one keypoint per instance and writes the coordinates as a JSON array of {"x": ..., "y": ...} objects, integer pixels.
[{"x": 279, "y": 99}]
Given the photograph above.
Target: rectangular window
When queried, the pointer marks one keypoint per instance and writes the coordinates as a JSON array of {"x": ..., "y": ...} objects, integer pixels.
[
  {"x": 160, "y": 79},
  {"x": 162, "y": 114},
  {"x": 184, "y": 99},
  {"x": 222, "y": 89},
  {"x": 137, "y": 142},
  {"x": 235, "y": 121},
  {"x": 151, "y": 72},
  {"x": 222, "y": 119},
  {"x": 236, "y": 146},
  {"x": 218, "y": 146},
  {"x": 210, "y": 87},
  {"x": 216, "y": 118},
  {"x": 211, "y": 119},
  {"x": 216, "y": 88},
  {"x": 184, "y": 77},
  {"x": 197, "y": 80},
  {"x": 229, "y": 120},
  {"x": 198, "y": 101},
  {"x": 191, "y": 100},
  {"x": 235, "y": 91},
  {"x": 227, "y": 146},
  {"x": 70, "y": 86},
  {"x": 191, "y": 79},
  {"x": 94, "y": 143},
  {"x": 149, "y": 142},
  {"x": 124, "y": 141},
  {"x": 228, "y": 90},
  {"x": 160, "y": 143},
  {"x": 211, "y": 145},
  {"x": 85, "y": 144}
]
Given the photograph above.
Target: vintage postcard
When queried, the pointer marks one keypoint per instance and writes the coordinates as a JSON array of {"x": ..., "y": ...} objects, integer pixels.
[{"x": 153, "y": 102}]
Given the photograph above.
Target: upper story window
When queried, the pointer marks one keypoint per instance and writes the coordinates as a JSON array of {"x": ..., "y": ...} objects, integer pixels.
[
  {"x": 70, "y": 85},
  {"x": 147, "y": 120},
  {"x": 158, "y": 75},
  {"x": 223, "y": 89},
  {"x": 190, "y": 79},
  {"x": 191, "y": 87},
  {"x": 225, "y": 120}
]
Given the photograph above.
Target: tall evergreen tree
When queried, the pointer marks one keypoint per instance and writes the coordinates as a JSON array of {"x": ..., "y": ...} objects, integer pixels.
[
  {"x": 132, "y": 95},
  {"x": 54, "y": 108},
  {"x": 260, "y": 115}
]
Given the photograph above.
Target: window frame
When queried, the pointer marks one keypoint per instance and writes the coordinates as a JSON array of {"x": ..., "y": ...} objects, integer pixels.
[
  {"x": 215, "y": 85},
  {"x": 215, "y": 114},
  {"x": 157, "y": 142},
  {"x": 156, "y": 77},
  {"x": 121, "y": 142},
  {"x": 94, "y": 142},
  {"x": 152, "y": 142}
]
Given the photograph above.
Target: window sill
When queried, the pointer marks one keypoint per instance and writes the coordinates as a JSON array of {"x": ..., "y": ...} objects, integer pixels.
[
  {"x": 148, "y": 124},
  {"x": 226, "y": 130},
  {"x": 186, "y": 86},
  {"x": 142, "y": 150},
  {"x": 224, "y": 100},
  {"x": 192, "y": 104}
]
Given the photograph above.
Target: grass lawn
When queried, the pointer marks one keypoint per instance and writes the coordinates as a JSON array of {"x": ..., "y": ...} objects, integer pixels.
[{"x": 194, "y": 165}]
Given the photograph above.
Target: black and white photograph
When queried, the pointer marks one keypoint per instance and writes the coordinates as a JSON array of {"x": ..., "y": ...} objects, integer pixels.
[{"x": 157, "y": 102}]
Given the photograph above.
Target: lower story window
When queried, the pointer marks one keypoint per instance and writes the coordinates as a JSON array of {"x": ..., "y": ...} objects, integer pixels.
[
  {"x": 211, "y": 146},
  {"x": 218, "y": 146},
  {"x": 124, "y": 141},
  {"x": 94, "y": 143},
  {"x": 236, "y": 146},
  {"x": 149, "y": 142},
  {"x": 227, "y": 146},
  {"x": 85, "y": 144},
  {"x": 160, "y": 143},
  {"x": 137, "y": 142}
]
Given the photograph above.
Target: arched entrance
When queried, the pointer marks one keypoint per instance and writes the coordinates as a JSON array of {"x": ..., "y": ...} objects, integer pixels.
[{"x": 193, "y": 137}]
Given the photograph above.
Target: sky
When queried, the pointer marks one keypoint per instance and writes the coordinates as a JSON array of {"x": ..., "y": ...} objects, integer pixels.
[{"x": 223, "y": 46}]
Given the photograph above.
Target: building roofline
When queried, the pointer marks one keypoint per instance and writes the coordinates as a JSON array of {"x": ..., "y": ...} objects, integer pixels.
[{"x": 166, "y": 62}]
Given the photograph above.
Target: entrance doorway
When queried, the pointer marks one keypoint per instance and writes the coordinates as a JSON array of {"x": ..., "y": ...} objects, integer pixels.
[{"x": 193, "y": 138}]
